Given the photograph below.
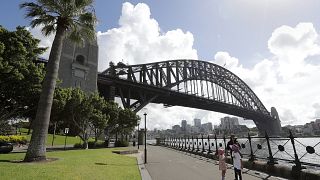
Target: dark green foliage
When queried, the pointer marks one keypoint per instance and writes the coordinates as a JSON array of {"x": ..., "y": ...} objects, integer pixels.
[
  {"x": 78, "y": 145},
  {"x": 95, "y": 145},
  {"x": 125, "y": 123},
  {"x": 20, "y": 77},
  {"x": 91, "y": 145},
  {"x": 5, "y": 147},
  {"x": 121, "y": 143},
  {"x": 5, "y": 128},
  {"x": 80, "y": 112}
]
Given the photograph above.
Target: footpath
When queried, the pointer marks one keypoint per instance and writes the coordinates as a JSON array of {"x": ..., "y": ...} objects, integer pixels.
[{"x": 168, "y": 164}]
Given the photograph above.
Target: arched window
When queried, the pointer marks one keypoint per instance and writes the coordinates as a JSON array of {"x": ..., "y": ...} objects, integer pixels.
[{"x": 80, "y": 59}]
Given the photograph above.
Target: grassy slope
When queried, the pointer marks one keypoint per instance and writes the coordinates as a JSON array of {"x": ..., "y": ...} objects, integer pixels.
[
  {"x": 59, "y": 140},
  {"x": 74, "y": 164}
]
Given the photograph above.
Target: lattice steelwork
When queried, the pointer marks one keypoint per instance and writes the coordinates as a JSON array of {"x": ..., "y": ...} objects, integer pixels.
[{"x": 210, "y": 87}]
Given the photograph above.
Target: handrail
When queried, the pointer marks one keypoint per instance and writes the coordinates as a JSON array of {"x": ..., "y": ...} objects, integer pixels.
[{"x": 272, "y": 149}]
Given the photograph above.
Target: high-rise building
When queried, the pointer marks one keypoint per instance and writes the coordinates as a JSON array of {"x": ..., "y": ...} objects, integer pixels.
[
  {"x": 188, "y": 128},
  {"x": 197, "y": 123},
  {"x": 176, "y": 128},
  {"x": 207, "y": 127},
  {"x": 183, "y": 125},
  {"x": 78, "y": 65},
  {"x": 229, "y": 122}
]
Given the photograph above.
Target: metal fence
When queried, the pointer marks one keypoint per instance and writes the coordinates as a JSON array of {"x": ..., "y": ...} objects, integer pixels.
[{"x": 298, "y": 151}]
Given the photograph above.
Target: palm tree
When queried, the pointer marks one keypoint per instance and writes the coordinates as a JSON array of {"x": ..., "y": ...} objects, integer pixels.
[{"x": 74, "y": 19}]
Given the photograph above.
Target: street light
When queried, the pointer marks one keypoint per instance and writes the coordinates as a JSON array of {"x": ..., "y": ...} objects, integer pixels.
[{"x": 145, "y": 138}]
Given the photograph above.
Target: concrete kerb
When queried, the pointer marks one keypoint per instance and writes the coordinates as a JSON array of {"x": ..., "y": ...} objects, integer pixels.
[{"x": 142, "y": 168}]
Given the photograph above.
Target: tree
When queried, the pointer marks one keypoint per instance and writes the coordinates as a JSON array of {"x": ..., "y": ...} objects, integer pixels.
[
  {"x": 61, "y": 96},
  {"x": 20, "y": 77},
  {"x": 124, "y": 123},
  {"x": 72, "y": 18},
  {"x": 76, "y": 112},
  {"x": 98, "y": 117},
  {"x": 127, "y": 121},
  {"x": 85, "y": 113}
]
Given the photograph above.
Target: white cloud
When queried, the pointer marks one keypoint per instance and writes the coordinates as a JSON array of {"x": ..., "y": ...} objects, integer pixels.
[
  {"x": 291, "y": 47},
  {"x": 138, "y": 40},
  {"x": 225, "y": 60},
  {"x": 286, "y": 80},
  {"x": 316, "y": 107},
  {"x": 300, "y": 41}
]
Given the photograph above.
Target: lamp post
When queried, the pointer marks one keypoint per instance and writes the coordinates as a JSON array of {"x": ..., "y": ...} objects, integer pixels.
[
  {"x": 138, "y": 135},
  {"x": 54, "y": 133},
  {"x": 66, "y": 131},
  {"x": 145, "y": 138}
]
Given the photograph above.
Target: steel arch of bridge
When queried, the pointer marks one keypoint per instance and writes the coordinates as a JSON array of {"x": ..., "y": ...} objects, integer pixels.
[{"x": 190, "y": 83}]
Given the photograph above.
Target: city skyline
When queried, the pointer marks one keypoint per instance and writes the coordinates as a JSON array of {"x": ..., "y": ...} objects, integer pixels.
[{"x": 273, "y": 46}]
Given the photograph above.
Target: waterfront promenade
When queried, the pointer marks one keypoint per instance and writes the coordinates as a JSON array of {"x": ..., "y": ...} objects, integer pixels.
[{"x": 165, "y": 164}]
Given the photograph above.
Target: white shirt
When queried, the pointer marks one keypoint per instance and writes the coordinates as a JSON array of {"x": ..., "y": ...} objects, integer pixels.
[{"x": 236, "y": 160}]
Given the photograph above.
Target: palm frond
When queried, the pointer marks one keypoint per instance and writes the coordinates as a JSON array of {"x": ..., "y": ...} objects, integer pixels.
[
  {"x": 33, "y": 10},
  {"x": 52, "y": 6},
  {"x": 36, "y": 22},
  {"x": 48, "y": 29},
  {"x": 87, "y": 18},
  {"x": 76, "y": 16}
]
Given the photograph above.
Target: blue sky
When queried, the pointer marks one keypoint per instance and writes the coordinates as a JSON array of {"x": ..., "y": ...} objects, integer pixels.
[
  {"x": 273, "y": 45},
  {"x": 241, "y": 27}
]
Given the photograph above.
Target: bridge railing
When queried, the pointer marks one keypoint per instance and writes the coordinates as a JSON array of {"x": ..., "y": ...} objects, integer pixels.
[{"x": 300, "y": 152}]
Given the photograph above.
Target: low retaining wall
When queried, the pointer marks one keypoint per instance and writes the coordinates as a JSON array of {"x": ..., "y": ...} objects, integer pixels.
[
  {"x": 125, "y": 151},
  {"x": 285, "y": 171}
]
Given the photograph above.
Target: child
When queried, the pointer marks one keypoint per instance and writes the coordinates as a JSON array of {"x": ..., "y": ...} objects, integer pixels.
[
  {"x": 237, "y": 162},
  {"x": 222, "y": 161}
]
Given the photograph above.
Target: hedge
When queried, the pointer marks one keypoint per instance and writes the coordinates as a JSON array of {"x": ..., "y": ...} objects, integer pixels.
[
  {"x": 13, "y": 139},
  {"x": 121, "y": 143}
]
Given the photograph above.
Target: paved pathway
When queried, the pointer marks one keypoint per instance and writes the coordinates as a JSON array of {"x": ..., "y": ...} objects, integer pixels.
[{"x": 168, "y": 164}]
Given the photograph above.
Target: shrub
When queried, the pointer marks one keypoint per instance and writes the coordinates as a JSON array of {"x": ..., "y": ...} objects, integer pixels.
[
  {"x": 93, "y": 145},
  {"x": 78, "y": 145},
  {"x": 14, "y": 139},
  {"x": 121, "y": 143}
]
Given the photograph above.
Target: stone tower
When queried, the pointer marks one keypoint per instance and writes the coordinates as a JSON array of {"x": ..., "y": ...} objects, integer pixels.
[{"x": 79, "y": 65}]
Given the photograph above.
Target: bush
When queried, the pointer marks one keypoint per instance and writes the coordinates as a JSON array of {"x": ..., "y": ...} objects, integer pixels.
[
  {"x": 121, "y": 143},
  {"x": 78, "y": 145},
  {"x": 13, "y": 139},
  {"x": 5, "y": 147},
  {"x": 93, "y": 145}
]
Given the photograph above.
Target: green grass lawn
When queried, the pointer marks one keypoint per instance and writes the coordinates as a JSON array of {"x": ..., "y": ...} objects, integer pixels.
[
  {"x": 58, "y": 140},
  {"x": 73, "y": 164}
]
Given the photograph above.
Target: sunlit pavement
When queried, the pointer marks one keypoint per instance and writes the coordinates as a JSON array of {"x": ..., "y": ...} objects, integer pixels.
[{"x": 165, "y": 164}]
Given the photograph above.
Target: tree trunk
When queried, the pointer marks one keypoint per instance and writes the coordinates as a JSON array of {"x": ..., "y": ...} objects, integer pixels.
[
  {"x": 85, "y": 141},
  {"x": 116, "y": 136},
  {"x": 95, "y": 136},
  {"x": 37, "y": 147}
]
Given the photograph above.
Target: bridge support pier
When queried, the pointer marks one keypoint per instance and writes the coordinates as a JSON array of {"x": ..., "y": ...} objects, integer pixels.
[{"x": 270, "y": 126}]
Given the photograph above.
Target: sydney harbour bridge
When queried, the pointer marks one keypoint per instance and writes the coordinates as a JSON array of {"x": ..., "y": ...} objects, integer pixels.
[{"x": 189, "y": 83}]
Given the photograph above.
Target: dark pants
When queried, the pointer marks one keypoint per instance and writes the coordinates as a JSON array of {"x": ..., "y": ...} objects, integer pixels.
[
  {"x": 231, "y": 157},
  {"x": 237, "y": 173}
]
